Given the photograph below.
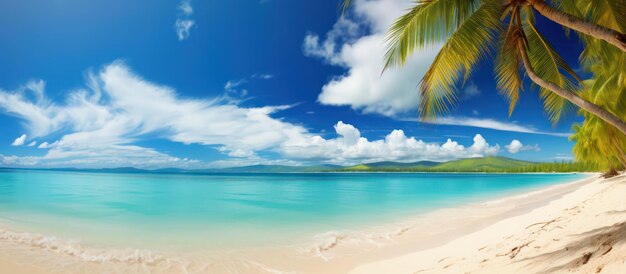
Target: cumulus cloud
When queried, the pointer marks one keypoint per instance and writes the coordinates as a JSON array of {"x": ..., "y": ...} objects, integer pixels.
[
  {"x": 184, "y": 23},
  {"x": 516, "y": 146},
  {"x": 32, "y": 144},
  {"x": 100, "y": 125},
  {"x": 19, "y": 141},
  {"x": 350, "y": 147},
  {"x": 357, "y": 43}
]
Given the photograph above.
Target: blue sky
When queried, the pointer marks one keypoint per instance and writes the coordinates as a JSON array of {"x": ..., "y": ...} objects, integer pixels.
[{"x": 198, "y": 84}]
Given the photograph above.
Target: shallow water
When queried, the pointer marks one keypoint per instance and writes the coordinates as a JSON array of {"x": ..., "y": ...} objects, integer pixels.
[{"x": 226, "y": 212}]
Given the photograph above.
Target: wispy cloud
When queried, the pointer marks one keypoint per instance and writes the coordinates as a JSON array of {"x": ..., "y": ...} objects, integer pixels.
[
  {"x": 102, "y": 121},
  {"x": 488, "y": 124},
  {"x": 234, "y": 90},
  {"x": 564, "y": 157},
  {"x": 184, "y": 23},
  {"x": 100, "y": 126}
]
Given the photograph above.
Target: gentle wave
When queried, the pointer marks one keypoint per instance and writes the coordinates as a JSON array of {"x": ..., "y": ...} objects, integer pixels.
[
  {"x": 84, "y": 253},
  {"x": 148, "y": 261},
  {"x": 325, "y": 242}
]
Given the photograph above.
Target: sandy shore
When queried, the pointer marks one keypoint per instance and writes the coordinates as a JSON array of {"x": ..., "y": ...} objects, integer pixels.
[
  {"x": 583, "y": 231},
  {"x": 578, "y": 226}
]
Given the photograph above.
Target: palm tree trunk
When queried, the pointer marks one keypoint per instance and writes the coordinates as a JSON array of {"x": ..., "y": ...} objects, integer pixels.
[
  {"x": 570, "y": 96},
  {"x": 611, "y": 36}
]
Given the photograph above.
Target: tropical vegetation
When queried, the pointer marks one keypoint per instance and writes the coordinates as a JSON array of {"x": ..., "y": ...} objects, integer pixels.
[
  {"x": 596, "y": 141},
  {"x": 490, "y": 164},
  {"x": 485, "y": 164},
  {"x": 472, "y": 30}
]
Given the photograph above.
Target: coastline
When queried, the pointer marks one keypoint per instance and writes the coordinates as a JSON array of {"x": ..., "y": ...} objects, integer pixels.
[
  {"x": 330, "y": 252},
  {"x": 582, "y": 231}
]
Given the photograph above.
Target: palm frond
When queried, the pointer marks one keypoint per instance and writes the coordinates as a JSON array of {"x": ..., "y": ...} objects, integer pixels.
[
  {"x": 427, "y": 23},
  {"x": 466, "y": 46},
  {"x": 548, "y": 65},
  {"x": 508, "y": 63}
]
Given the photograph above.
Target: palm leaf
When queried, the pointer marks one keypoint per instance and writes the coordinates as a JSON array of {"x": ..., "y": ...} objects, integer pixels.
[
  {"x": 548, "y": 65},
  {"x": 460, "y": 53},
  {"x": 428, "y": 23},
  {"x": 508, "y": 63}
]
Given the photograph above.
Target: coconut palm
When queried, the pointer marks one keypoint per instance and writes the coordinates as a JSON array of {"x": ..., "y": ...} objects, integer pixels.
[
  {"x": 469, "y": 30},
  {"x": 595, "y": 140},
  {"x": 616, "y": 38}
]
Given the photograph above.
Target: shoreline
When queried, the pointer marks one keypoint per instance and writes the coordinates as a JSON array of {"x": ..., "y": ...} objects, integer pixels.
[
  {"x": 580, "y": 231},
  {"x": 191, "y": 172},
  {"x": 329, "y": 252}
]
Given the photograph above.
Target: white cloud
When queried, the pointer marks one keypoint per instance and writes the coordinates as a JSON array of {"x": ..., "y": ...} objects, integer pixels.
[
  {"x": 489, "y": 124},
  {"x": 184, "y": 23},
  {"x": 363, "y": 87},
  {"x": 101, "y": 122},
  {"x": 350, "y": 147},
  {"x": 99, "y": 126},
  {"x": 44, "y": 145},
  {"x": 564, "y": 157},
  {"x": 32, "y": 144},
  {"x": 185, "y": 7},
  {"x": 263, "y": 76},
  {"x": 516, "y": 146},
  {"x": 183, "y": 28},
  {"x": 350, "y": 135},
  {"x": 19, "y": 141},
  {"x": 234, "y": 90},
  {"x": 18, "y": 161}
]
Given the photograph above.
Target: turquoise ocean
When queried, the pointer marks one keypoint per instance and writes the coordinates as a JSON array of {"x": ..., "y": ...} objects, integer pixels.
[{"x": 229, "y": 211}]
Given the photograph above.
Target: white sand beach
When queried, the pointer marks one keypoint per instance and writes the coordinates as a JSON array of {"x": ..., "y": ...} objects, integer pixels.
[
  {"x": 574, "y": 227},
  {"x": 582, "y": 232}
]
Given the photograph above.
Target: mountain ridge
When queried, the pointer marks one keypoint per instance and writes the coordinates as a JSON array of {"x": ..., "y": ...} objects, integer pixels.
[{"x": 480, "y": 164}]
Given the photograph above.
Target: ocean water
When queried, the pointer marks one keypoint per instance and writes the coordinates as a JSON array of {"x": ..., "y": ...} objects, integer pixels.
[{"x": 227, "y": 211}]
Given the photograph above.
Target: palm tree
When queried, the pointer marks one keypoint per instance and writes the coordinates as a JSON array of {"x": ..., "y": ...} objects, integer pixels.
[
  {"x": 595, "y": 140},
  {"x": 610, "y": 35},
  {"x": 470, "y": 30}
]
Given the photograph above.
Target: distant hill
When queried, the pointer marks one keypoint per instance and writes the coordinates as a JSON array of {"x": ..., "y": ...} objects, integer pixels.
[
  {"x": 485, "y": 164},
  {"x": 482, "y": 164},
  {"x": 398, "y": 164},
  {"x": 391, "y": 166},
  {"x": 274, "y": 169}
]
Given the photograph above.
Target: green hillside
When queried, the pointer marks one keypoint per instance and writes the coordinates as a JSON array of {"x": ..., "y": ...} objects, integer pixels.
[
  {"x": 482, "y": 164},
  {"x": 362, "y": 167},
  {"x": 392, "y": 166},
  {"x": 486, "y": 164},
  {"x": 273, "y": 169}
]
